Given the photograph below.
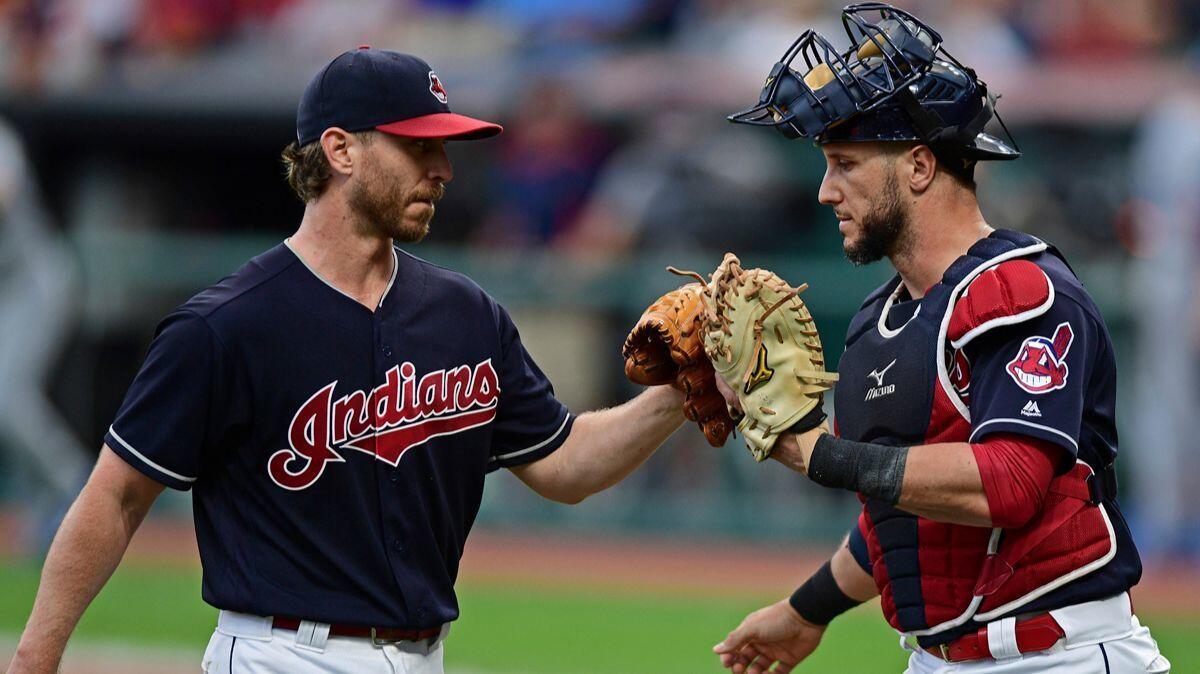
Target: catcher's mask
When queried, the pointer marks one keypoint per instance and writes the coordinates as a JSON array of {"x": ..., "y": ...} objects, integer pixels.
[{"x": 895, "y": 83}]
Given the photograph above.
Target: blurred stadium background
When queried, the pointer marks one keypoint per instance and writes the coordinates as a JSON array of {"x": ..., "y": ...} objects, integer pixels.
[{"x": 139, "y": 144}]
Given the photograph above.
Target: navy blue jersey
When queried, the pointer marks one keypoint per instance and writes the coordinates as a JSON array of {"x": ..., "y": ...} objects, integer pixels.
[{"x": 336, "y": 455}]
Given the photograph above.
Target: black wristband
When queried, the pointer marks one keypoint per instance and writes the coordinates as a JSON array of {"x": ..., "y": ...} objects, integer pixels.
[
  {"x": 819, "y": 600},
  {"x": 873, "y": 470},
  {"x": 809, "y": 421}
]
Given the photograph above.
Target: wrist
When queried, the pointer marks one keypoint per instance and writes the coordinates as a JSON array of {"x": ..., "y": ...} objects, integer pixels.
[
  {"x": 800, "y": 620},
  {"x": 667, "y": 400},
  {"x": 26, "y": 660},
  {"x": 873, "y": 470},
  {"x": 820, "y": 599}
]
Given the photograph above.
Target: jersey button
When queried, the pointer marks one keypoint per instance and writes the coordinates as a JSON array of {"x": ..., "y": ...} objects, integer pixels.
[
  {"x": 395, "y": 476},
  {"x": 399, "y": 545},
  {"x": 387, "y": 351}
]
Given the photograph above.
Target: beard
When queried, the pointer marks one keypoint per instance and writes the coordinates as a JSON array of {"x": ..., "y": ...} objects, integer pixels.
[
  {"x": 381, "y": 210},
  {"x": 884, "y": 230}
]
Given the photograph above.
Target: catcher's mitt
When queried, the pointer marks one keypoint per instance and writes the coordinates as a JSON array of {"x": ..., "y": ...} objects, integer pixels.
[
  {"x": 764, "y": 344},
  {"x": 666, "y": 347}
]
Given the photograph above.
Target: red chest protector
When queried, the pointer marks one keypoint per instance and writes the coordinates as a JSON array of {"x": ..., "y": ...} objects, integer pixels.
[{"x": 934, "y": 577}]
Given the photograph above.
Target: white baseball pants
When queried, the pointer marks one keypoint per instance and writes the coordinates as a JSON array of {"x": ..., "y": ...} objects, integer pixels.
[
  {"x": 247, "y": 644},
  {"x": 1102, "y": 637}
]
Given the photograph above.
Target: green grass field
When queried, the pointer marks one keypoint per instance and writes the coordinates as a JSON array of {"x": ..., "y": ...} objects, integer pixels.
[{"x": 511, "y": 630}]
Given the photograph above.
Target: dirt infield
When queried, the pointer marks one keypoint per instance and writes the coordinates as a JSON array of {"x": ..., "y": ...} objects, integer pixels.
[
  {"x": 98, "y": 658},
  {"x": 635, "y": 565}
]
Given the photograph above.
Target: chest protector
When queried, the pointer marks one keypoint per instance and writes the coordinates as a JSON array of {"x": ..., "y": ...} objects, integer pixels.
[{"x": 910, "y": 384}]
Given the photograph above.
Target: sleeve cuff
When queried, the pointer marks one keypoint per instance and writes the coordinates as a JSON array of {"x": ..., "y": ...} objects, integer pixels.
[
  {"x": 145, "y": 465},
  {"x": 516, "y": 457},
  {"x": 1023, "y": 427}
]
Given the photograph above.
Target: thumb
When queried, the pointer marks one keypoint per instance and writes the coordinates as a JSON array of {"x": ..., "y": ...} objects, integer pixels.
[{"x": 734, "y": 642}]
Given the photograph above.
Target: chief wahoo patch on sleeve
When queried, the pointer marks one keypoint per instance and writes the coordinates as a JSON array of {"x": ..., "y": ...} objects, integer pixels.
[{"x": 1041, "y": 363}]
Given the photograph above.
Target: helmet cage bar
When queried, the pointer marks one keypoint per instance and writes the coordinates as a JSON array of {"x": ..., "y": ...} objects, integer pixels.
[
  {"x": 771, "y": 112},
  {"x": 853, "y": 22}
]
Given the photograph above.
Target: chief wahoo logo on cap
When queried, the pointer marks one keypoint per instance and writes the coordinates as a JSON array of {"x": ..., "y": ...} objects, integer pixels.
[{"x": 436, "y": 88}]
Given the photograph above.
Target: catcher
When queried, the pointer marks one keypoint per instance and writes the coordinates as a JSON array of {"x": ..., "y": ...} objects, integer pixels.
[{"x": 976, "y": 393}]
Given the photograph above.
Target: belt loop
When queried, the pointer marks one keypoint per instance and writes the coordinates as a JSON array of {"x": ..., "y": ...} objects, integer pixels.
[
  {"x": 1002, "y": 638},
  {"x": 312, "y": 636},
  {"x": 244, "y": 625}
]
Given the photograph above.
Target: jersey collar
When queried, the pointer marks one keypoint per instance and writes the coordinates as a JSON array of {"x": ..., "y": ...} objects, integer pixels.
[{"x": 386, "y": 291}]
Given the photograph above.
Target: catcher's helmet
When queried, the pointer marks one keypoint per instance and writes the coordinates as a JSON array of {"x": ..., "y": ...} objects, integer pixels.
[{"x": 895, "y": 83}]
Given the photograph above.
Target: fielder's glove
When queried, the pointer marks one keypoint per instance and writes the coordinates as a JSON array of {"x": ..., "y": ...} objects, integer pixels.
[
  {"x": 665, "y": 347},
  {"x": 764, "y": 344}
]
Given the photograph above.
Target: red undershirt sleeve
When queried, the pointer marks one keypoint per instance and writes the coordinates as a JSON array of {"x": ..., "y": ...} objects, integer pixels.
[{"x": 1016, "y": 471}]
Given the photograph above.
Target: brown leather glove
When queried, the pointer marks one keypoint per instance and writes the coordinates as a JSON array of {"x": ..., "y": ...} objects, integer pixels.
[{"x": 667, "y": 347}]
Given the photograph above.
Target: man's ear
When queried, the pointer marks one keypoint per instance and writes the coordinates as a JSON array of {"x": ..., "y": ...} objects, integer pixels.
[
  {"x": 923, "y": 165},
  {"x": 336, "y": 144}
]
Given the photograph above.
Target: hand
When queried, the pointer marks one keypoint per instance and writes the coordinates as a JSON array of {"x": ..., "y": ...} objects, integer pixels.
[
  {"x": 731, "y": 398},
  {"x": 794, "y": 450},
  {"x": 775, "y": 635}
]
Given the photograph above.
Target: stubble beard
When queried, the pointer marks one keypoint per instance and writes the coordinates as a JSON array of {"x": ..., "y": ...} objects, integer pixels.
[
  {"x": 884, "y": 232},
  {"x": 381, "y": 210}
]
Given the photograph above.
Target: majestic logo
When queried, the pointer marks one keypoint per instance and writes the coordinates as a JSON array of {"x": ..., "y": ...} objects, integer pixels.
[
  {"x": 436, "y": 88},
  {"x": 1041, "y": 363},
  {"x": 880, "y": 390},
  {"x": 398, "y": 415},
  {"x": 1031, "y": 410},
  {"x": 761, "y": 374}
]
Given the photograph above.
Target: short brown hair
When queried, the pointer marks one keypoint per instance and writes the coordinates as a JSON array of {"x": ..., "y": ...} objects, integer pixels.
[{"x": 306, "y": 168}]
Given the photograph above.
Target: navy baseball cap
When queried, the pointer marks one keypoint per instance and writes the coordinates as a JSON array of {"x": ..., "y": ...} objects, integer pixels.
[{"x": 383, "y": 90}]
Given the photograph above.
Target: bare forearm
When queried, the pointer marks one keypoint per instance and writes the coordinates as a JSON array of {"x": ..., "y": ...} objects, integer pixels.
[
  {"x": 605, "y": 446},
  {"x": 856, "y": 583},
  {"x": 938, "y": 481},
  {"x": 838, "y": 586},
  {"x": 89, "y": 544},
  {"x": 942, "y": 483}
]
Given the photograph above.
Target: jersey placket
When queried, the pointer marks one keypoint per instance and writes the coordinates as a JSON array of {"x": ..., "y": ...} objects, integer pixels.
[{"x": 387, "y": 354}]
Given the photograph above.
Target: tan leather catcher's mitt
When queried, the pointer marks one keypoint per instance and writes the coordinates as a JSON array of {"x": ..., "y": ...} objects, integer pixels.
[{"x": 764, "y": 344}]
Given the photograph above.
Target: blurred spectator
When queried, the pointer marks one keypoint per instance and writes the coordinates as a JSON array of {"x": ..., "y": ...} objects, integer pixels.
[
  {"x": 1165, "y": 297},
  {"x": 981, "y": 33},
  {"x": 689, "y": 183},
  {"x": 547, "y": 160},
  {"x": 37, "y": 293},
  {"x": 184, "y": 25},
  {"x": 1098, "y": 30},
  {"x": 750, "y": 36}
]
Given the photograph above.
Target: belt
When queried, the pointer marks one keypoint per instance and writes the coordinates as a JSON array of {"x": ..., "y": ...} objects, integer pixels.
[
  {"x": 1032, "y": 634},
  {"x": 377, "y": 635}
]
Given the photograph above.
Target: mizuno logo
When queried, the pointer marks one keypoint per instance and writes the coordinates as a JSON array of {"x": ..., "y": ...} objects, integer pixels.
[
  {"x": 1031, "y": 410},
  {"x": 877, "y": 375},
  {"x": 761, "y": 374},
  {"x": 880, "y": 390}
]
